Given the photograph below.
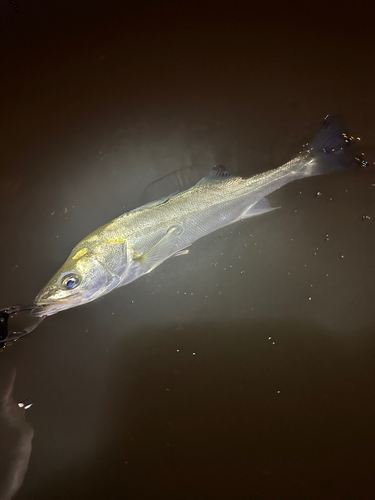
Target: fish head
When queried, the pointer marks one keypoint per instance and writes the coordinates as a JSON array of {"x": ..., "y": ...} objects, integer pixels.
[{"x": 79, "y": 280}]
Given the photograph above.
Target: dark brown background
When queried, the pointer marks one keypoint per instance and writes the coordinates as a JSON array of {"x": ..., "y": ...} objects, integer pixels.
[{"x": 99, "y": 99}]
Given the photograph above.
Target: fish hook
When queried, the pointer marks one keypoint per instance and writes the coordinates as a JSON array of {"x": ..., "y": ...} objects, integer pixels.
[{"x": 7, "y": 335}]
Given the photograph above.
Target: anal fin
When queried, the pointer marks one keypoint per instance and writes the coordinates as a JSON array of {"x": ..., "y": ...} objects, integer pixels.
[
  {"x": 181, "y": 252},
  {"x": 260, "y": 207}
]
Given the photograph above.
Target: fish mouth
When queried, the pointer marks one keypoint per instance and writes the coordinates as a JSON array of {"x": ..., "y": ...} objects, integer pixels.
[{"x": 47, "y": 308}]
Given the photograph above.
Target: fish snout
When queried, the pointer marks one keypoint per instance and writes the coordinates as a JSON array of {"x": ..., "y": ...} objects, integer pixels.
[{"x": 45, "y": 295}]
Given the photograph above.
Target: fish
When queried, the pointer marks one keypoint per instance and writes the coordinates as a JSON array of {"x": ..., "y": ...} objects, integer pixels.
[{"x": 138, "y": 241}]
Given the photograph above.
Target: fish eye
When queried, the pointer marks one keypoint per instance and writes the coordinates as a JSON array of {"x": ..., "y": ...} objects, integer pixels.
[{"x": 70, "y": 281}]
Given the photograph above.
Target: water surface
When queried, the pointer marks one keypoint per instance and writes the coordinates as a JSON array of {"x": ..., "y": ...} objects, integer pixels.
[{"x": 245, "y": 369}]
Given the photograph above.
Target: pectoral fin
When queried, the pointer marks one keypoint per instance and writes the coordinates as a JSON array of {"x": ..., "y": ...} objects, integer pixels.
[{"x": 163, "y": 249}]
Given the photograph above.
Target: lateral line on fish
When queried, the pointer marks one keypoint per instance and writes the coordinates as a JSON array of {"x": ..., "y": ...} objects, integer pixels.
[{"x": 114, "y": 240}]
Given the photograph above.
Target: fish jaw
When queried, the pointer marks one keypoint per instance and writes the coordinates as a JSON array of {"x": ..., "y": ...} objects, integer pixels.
[
  {"x": 53, "y": 293},
  {"x": 45, "y": 305},
  {"x": 49, "y": 309}
]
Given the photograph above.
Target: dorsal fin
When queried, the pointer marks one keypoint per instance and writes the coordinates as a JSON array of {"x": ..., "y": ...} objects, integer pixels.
[
  {"x": 175, "y": 182},
  {"x": 217, "y": 174}
]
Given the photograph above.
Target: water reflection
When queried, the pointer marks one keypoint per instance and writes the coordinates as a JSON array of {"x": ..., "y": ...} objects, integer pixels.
[{"x": 16, "y": 436}]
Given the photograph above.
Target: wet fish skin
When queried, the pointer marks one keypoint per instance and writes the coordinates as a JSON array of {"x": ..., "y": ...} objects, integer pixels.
[{"x": 136, "y": 242}]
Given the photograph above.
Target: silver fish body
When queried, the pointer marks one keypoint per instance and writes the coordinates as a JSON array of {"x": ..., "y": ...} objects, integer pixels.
[{"x": 136, "y": 242}]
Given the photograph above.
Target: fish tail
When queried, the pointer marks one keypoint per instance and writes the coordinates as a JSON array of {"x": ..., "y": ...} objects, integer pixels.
[{"x": 329, "y": 150}]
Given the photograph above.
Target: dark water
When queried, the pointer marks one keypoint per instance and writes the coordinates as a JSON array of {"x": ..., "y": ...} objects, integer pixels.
[{"x": 214, "y": 377}]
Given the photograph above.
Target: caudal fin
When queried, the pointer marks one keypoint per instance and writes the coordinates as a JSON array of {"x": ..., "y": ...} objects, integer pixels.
[{"x": 329, "y": 150}]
